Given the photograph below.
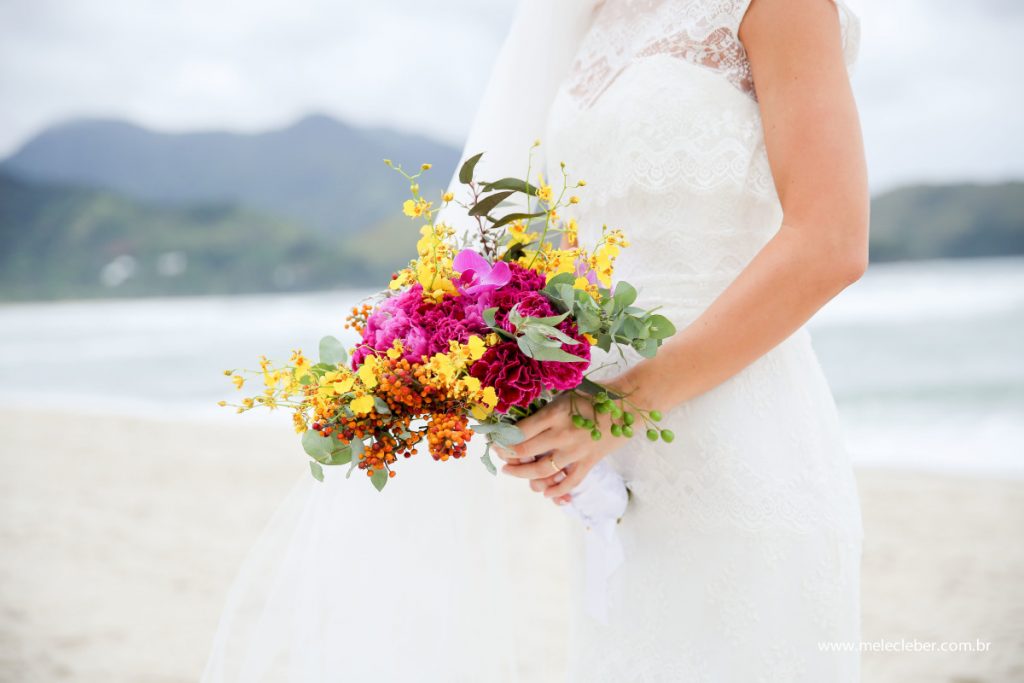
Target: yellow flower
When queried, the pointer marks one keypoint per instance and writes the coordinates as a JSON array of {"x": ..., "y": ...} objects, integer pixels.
[
  {"x": 414, "y": 208},
  {"x": 396, "y": 350},
  {"x": 367, "y": 372},
  {"x": 447, "y": 197},
  {"x": 425, "y": 167},
  {"x": 300, "y": 362},
  {"x": 477, "y": 347},
  {"x": 238, "y": 380},
  {"x": 574, "y": 199},
  {"x": 488, "y": 400},
  {"x": 222, "y": 403},
  {"x": 247, "y": 402},
  {"x": 403, "y": 278},
  {"x": 518, "y": 235},
  {"x": 543, "y": 190},
  {"x": 335, "y": 382},
  {"x": 572, "y": 232},
  {"x": 300, "y": 422},
  {"x": 361, "y": 405}
]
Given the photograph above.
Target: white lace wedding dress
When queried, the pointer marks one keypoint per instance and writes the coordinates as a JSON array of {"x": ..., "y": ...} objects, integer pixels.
[
  {"x": 743, "y": 537},
  {"x": 742, "y": 540}
]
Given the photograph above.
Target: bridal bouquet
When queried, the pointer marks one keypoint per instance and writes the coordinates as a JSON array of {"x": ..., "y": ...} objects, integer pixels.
[{"x": 479, "y": 331}]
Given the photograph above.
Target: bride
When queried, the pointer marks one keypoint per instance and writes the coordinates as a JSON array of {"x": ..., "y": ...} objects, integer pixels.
[{"x": 724, "y": 137}]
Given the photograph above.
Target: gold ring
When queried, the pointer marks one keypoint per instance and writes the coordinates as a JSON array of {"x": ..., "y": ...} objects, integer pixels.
[{"x": 553, "y": 465}]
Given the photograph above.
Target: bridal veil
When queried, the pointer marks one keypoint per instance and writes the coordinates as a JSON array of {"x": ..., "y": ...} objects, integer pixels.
[{"x": 449, "y": 574}]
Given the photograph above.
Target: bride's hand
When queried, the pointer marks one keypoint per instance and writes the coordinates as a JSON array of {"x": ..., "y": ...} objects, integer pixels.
[{"x": 555, "y": 454}]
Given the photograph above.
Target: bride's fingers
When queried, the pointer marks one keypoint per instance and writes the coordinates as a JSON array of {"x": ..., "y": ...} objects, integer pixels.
[
  {"x": 540, "y": 468},
  {"x": 540, "y": 444},
  {"x": 574, "y": 477},
  {"x": 541, "y": 485}
]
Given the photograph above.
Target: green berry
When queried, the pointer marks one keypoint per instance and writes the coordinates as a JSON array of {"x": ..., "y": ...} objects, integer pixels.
[
  {"x": 603, "y": 407},
  {"x": 588, "y": 423},
  {"x": 595, "y": 434},
  {"x": 628, "y": 417},
  {"x": 616, "y": 430},
  {"x": 627, "y": 431},
  {"x": 601, "y": 397},
  {"x": 652, "y": 434},
  {"x": 655, "y": 415},
  {"x": 616, "y": 411},
  {"x": 667, "y": 436},
  {"x": 578, "y": 420}
]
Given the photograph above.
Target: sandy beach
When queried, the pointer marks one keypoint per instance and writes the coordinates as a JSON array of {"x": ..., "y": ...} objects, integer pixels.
[{"x": 119, "y": 543}]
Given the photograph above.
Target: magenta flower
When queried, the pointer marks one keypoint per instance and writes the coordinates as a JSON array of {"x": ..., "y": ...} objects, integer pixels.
[{"x": 478, "y": 275}]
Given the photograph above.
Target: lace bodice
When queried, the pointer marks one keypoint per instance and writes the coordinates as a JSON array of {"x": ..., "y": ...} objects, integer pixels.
[
  {"x": 658, "y": 114},
  {"x": 703, "y": 32}
]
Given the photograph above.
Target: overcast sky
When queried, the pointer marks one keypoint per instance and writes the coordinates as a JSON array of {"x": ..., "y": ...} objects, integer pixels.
[{"x": 938, "y": 81}]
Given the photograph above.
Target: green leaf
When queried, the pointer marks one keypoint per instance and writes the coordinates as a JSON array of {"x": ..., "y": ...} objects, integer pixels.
[
  {"x": 547, "y": 320},
  {"x": 512, "y": 184},
  {"x": 488, "y": 203},
  {"x": 381, "y": 406},
  {"x": 331, "y": 351},
  {"x": 508, "y": 435},
  {"x": 488, "y": 316},
  {"x": 646, "y": 347},
  {"x": 316, "y": 446},
  {"x": 625, "y": 295},
  {"x": 379, "y": 478},
  {"x": 316, "y": 470},
  {"x": 486, "y": 460},
  {"x": 466, "y": 171},
  {"x": 660, "y": 327},
  {"x": 504, "y": 220}
]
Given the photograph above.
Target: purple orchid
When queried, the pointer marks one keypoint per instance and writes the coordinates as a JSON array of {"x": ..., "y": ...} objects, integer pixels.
[{"x": 478, "y": 275}]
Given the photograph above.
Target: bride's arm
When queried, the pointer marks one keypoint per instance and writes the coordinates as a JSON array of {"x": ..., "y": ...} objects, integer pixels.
[{"x": 813, "y": 139}]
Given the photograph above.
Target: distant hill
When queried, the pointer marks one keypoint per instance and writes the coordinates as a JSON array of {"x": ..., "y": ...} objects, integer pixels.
[
  {"x": 319, "y": 171},
  {"x": 944, "y": 221},
  {"x": 105, "y": 208},
  {"x": 64, "y": 241}
]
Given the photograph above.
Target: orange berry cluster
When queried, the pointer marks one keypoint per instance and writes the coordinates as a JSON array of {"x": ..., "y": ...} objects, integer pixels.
[
  {"x": 411, "y": 394},
  {"x": 447, "y": 436},
  {"x": 356, "y": 319}
]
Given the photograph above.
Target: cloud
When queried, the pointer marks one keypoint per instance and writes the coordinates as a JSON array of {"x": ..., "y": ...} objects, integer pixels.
[{"x": 935, "y": 82}]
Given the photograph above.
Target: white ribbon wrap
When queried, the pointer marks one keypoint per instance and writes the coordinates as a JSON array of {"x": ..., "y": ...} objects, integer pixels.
[{"x": 598, "y": 502}]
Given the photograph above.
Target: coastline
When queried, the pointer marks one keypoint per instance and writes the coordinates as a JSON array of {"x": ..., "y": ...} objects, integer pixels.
[{"x": 119, "y": 547}]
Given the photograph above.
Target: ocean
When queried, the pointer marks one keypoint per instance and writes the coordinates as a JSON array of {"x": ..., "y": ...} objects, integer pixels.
[{"x": 925, "y": 359}]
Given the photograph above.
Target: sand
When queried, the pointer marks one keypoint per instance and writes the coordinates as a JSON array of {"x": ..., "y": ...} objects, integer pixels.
[{"x": 119, "y": 543}]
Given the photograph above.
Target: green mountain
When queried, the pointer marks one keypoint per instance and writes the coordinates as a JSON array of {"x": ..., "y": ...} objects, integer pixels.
[
  {"x": 319, "y": 171},
  {"x": 944, "y": 221},
  {"x": 60, "y": 241}
]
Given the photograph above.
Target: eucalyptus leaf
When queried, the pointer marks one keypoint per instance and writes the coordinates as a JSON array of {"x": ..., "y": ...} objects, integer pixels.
[
  {"x": 381, "y": 406},
  {"x": 660, "y": 327},
  {"x": 507, "y": 435},
  {"x": 466, "y": 170},
  {"x": 379, "y": 478},
  {"x": 488, "y": 316},
  {"x": 332, "y": 352},
  {"x": 625, "y": 295},
  {"x": 486, "y": 460},
  {"x": 316, "y": 470}
]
